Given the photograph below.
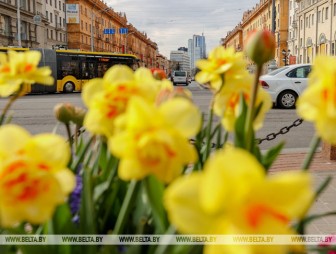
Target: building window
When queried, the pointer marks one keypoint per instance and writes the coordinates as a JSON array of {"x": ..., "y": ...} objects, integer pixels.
[
  {"x": 333, "y": 48},
  {"x": 326, "y": 13},
  {"x": 312, "y": 21},
  {"x": 51, "y": 18},
  {"x": 335, "y": 9},
  {"x": 319, "y": 17},
  {"x": 47, "y": 14}
]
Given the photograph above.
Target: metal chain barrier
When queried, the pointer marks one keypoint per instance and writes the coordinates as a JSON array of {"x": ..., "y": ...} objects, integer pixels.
[{"x": 282, "y": 131}]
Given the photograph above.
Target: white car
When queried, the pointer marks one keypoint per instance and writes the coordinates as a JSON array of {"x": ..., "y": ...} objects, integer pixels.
[
  {"x": 286, "y": 84},
  {"x": 180, "y": 77}
]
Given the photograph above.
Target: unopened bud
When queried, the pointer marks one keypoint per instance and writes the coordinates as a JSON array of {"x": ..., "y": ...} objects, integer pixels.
[
  {"x": 64, "y": 112},
  {"x": 167, "y": 94},
  {"x": 78, "y": 116},
  {"x": 158, "y": 74},
  {"x": 260, "y": 46}
]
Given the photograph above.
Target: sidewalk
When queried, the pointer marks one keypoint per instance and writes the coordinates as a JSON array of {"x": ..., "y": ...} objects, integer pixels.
[{"x": 321, "y": 168}]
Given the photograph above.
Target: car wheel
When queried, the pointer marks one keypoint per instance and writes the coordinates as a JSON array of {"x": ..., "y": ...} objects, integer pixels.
[
  {"x": 287, "y": 99},
  {"x": 68, "y": 87}
]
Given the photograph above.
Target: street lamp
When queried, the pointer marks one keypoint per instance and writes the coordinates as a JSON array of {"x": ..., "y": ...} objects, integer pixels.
[
  {"x": 126, "y": 41},
  {"x": 285, "y": 54},
  {"x": 18, "y": 22},
  {"x": 92, "y": 18}
]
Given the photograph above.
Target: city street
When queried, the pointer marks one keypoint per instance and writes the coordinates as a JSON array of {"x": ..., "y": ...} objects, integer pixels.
[{"x": 35, "y": 113}]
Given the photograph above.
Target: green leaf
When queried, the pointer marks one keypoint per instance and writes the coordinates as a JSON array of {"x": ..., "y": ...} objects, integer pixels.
[
  {"x": 154, "y": 190},
  {"x": 239, "y": 139},
  {"x": 87, "y": 211},
  {"x": 271, "y": 155},
  {"x": 62, "y": 223}
]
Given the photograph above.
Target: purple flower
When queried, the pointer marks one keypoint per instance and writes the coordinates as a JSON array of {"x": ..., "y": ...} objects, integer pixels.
[{"x": 75, "y": 198}]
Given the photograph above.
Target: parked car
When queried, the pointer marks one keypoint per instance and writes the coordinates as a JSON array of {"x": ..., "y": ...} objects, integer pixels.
[
  {"x": 286, "y": 84},
  {"x": 180, "y": 77}
]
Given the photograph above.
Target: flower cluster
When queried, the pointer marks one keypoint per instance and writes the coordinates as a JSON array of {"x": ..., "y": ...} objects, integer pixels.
[{"x": 139, "y": 171}]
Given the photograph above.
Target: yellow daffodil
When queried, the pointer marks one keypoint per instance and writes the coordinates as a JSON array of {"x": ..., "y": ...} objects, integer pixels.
[
  {"x": 234, "y": 196},
  {"x": 155, "y": 140},
  {"x": 107, "y": 97},
  {"x": 226, "y": 103},
  {"x": 17, "y": 68},
  {"x": 34, "y": 177},
  {"x": 222, "y": 63},
  {"x": 317, "y": 104}
]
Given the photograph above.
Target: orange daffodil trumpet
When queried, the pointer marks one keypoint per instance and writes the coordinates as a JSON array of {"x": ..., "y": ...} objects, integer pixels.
[
  {"x": 17, "y": 68},
  {"x": 232, "y": 195},
  {"x": 34, "y": 177},
  {"x": 107, "y": 97},
  {"x": 154, "y": 140},
  {"x": 222, "y": 62},
  {"x": 227, "y": 102},
  {"x": 317, "y": 104}
]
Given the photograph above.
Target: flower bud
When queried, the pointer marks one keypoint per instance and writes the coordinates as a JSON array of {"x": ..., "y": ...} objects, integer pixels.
[
  {"x": 64, "y": 112},
  {"x": 158, "y": 74},
  {"x": 167, "y": 94},
  {"x": 260, "y": 46},
  {"x": 78, "y": 117}
]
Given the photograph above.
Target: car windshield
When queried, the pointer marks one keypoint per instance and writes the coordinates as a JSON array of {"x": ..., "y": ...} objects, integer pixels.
[
  {"x": 180, "y": 74},
  {"x": 272, "y": 73}
]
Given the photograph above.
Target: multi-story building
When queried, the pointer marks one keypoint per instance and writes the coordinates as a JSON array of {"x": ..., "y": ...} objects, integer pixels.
[
  {"x": 94, "y": 26},
  {"x": 316, "y": 25},
  {"x": 88, "y": 25},
  {"x": 56, "y": 26},
  {"x": 180, "y": 60},
  {"x": 162, "y": 63},
  {"x": 292, "y": 31},
  {"x": 268, "y": 14},
  {"x": 196, "y": 50},
  {"x": 23, "y": 25}
]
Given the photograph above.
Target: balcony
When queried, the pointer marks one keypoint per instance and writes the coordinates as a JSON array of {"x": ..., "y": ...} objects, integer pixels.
[{"x": 59, "y": 26}]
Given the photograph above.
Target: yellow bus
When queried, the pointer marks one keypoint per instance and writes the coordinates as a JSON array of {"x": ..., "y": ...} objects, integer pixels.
[{"x": 71, "y": 69}]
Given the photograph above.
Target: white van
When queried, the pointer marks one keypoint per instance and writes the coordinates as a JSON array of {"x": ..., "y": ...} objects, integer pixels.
[{"x": 180, "y": 77}]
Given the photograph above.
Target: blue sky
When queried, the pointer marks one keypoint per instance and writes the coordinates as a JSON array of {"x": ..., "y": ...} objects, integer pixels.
[{"x": 171, "y": 23}]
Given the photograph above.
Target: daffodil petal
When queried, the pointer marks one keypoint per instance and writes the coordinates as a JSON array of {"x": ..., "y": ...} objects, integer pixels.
[
  {"x": 183, "y": 115},
  {"x": 12, "y": 139},
  {"x": 90, "y": 89},
  {"x": 50, "y": 146},
  {"x": 288, "y": 192},
  {"x": 181, "y": 200},
  {"x": 230, "y": 175}
]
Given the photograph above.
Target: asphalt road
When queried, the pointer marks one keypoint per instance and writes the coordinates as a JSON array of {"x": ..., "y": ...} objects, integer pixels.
[{"x": 35, "y": 113}]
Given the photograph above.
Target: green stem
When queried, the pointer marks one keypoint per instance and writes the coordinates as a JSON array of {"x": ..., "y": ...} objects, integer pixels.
[
  {"x": 126, "y": 207},
  {"x": 208, "y": 135},
  {"x": 310, "y": 155},
  {"x": 251, "y": 110},
  {"x": 9, "y": 104}
]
